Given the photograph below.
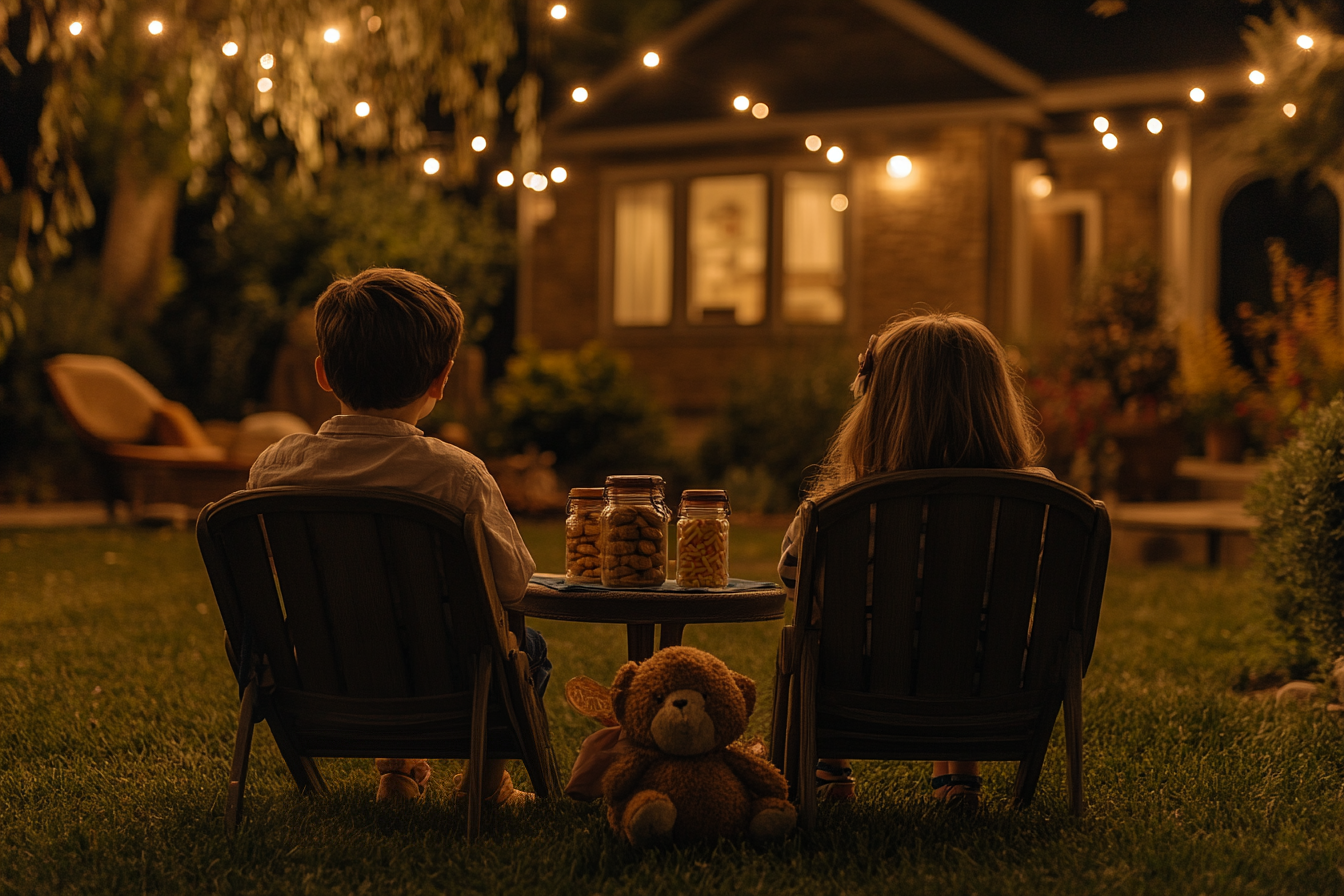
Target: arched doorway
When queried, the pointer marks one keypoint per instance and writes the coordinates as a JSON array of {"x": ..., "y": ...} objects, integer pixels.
[{"x": 1305, "y": 215}]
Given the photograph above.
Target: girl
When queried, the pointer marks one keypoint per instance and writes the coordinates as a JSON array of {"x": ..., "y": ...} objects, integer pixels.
[{"x": 933, "y": 390}]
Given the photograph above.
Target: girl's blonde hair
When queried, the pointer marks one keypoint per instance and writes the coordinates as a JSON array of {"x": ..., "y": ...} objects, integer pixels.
[{"x": 940, "y": 393}]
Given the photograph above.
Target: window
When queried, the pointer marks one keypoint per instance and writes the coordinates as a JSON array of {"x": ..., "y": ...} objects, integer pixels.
[{"x": 751, "y": 247}]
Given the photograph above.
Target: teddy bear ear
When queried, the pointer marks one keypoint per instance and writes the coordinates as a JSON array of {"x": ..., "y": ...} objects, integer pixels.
[
  {"x": 748, "y": 689},
  {"x": 625, "y": 676}
]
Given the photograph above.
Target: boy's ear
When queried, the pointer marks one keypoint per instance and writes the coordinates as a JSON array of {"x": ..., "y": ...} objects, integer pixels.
[
  {"x": 321, "y": 372},
  {"x": 436, "y": 387}
]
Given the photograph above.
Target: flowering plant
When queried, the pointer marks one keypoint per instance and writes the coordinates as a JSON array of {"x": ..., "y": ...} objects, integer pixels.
[{"x": 1211, "y": 385}]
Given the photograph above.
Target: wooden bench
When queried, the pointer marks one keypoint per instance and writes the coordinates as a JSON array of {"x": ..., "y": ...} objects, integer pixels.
[{"x": 1157, "y": 531}]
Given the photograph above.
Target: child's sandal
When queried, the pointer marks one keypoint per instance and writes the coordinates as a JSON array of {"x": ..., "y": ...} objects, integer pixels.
[
  {"x": 966, "y": 797},
  {"x": 835, "y": 783}
]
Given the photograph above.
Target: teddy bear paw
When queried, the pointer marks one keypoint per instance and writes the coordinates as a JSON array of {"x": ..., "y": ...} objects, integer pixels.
[
  {"x": 773, "y": 822},
  {"x": 649, "y": 818}
]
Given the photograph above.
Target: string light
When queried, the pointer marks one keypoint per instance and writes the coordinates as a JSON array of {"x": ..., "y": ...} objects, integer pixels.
[
  {"x": 1110, "y": 141},
  {"x": 504, "y": 178},
  {"x": 431, "y": 165},
  {"x": 839, "y": 202},
  {"x": 580, "y": 94},
  {"x": 265, "y": 84},
  {"x": 1197, "y": 94},
  {"x": 835, "y": 155},
  {"x": 362, "y": 109},
  {"x": 559, "y": 11},
  {"x": 1256, "y": 76},
  {"x": 534, "y": 181},
  {"x": 651, "y": 59},
  {"x": 229, "y": 49},
  {"x": 559, "y": 174},
  {"x": 375, "y": 23},
  {"x": 478, "y": 143},
  {"x": 741, "y": 103},
  {"x": 1289, "y": 109},
  {"x": 76, "y": 27},
  {"x": 1305, "y": 42},
  {"x": 1041, "y": 186},
  {"x": 155, "y": 27},
  {"x": 1101, "y": 124},
  {"x": 900, "y": 166},
  {"x": 813, "y": 143},
  {"x": 331, "y": 35},
  {"x": 1180, "y": 179},
  {"x": 759, "y": 111},
  {"x": 268, "y": 62},
  {"x": 1154, "y": 125}
]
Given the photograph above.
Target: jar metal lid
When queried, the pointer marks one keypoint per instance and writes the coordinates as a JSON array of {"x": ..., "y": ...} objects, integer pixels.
[
  {"x": 586, "y": 494},
  {"x": 640, "y": 481},
  {"x": 706, "y": 496}
]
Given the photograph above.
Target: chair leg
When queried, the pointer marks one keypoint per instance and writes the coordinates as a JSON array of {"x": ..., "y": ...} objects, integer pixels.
[
  {"x": 807, "y": 734},
  {"x": 1029, "y": 769},
  {"x": 1073, "y": 723},
  {"x": 302, "y": 768},
  {"x": 779, "y": 718},
  {"x": 476, "y": 766},
  {"x": 242, "y": 748}
]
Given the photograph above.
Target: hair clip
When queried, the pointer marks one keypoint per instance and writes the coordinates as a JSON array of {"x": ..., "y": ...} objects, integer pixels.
[{"x": 860, "y": 384}]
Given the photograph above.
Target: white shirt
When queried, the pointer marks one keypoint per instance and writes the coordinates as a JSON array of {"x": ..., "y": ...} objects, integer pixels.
[{"x": 355, "y": 451}]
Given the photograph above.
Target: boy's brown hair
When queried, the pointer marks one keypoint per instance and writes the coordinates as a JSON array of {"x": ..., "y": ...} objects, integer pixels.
[{"x": 384, "y": 335}]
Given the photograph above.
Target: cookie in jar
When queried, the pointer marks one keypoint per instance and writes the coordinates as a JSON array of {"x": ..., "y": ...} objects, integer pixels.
[
  {"x": 634, "y": 532},
  {"x": 702, "y": 538},
  {"x": 583, "y": 532}
]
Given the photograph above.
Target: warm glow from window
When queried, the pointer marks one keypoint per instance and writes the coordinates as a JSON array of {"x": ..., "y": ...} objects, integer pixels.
[
  {"x": 813, "y": 143},
  {"x": 504, "y": 178},
  {"x": 1256, "y": 76},
  {"x": 900, "y": 166},
  {"x": 265, "y": 84},
  {"x": 331, "y": 35},
  {"x": 229, "y": 49},
  {"x": 1154, "y": 125},
  {"x": 1180, "y": 179},
  {"x": 1101, "y": 123},
  {"x": 559, "y": 174},
  {"x": 375, "y": 22},
  {"x": 1042, "y": 186},
  {"x": 1197, "y": 94},
  {"x": 580, "y": 94},
  {"x": 1110, "y": 141},
  {"x": 835, "y": 155},
  {"x": 155, "y": 27},
  {"x": 76, "y": 27},
  {"x": 1289, "y": 109},
  {"x": 268, "y": 62},
  {"x": 559, "y": 11},
  {"x": 839, "y": 202},
  {"x": 741, "y": 103},
  {"x": 651, "y": 59},
  {"x": 1305, "y": 42},
  {"x": 431, "y": 165}
]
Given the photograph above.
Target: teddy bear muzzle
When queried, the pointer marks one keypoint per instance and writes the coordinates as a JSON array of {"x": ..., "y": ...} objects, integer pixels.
[{"x": 681, "y": 726}]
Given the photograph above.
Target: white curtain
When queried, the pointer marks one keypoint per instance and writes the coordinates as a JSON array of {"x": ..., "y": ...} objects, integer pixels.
[
  {"x": 726, "y": 249},
  {"x": 814, "y": 238},
  {"x": 642, "y": 294}
]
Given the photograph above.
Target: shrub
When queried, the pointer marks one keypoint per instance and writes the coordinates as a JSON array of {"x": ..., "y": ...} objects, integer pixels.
[
  {"x": 586, "y": 406},
  {"x": 780, "y": 414},
  {"x": 1300, "y": 539}
]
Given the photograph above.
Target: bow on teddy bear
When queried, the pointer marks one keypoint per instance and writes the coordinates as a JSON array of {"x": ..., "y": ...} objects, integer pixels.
[{"x": 683, "y": 778}]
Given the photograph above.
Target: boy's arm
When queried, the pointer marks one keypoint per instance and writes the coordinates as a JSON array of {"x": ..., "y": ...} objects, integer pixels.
[{"x": 510, "y": 559}]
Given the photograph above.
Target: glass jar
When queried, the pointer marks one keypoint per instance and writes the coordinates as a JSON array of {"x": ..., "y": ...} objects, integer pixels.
[
  {"x": 634, "y": 532},
  {"x": 583, "y": 530},
  {"x": 702, "y": 538}
]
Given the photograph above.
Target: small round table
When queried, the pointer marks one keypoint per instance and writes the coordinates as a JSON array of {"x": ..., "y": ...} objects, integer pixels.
[{"x": 640, "y": 611}]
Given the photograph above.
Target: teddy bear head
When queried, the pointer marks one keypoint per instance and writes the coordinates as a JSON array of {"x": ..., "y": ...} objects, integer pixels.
[{"x": 682, "y": 701}]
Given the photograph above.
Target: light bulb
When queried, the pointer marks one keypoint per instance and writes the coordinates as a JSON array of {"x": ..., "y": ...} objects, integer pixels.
[
  {"x": 1154, "y": 125},
  {"x": 813, "y": 143},
  {"x": 535, "y": 182},
  {"x": 478, "y": 143},
  {"x": 835, "y": 155},
  {"x": 760, "y": 110},
  {"x": 1042, "y": 186},
  {"x": 504, "y": 178},
  {"x": 155, "y": 27},
  {"x": 229, "y": 49},
  {"x": 839, "y": 202},
  {"x": 741, "y": 103},
  {"x": 527, "y": 178},
  {"x": 1110, "y": 141},
  {"x": 1101, "y": 124},
  {"x": 651, "y": 59},
  {"x": 1180, "y": 178},
  {"x": 1289, "y": 109},
  {"x": 375, "y": 22},
  {"x": 1305, "y": 42},
  {"x": 265, "y": 84},
  {"x": 559, "y": 11},
  {"x": 1197, "y": 94},
  {"x": 76, "y": 27},
  {"x": 362, "y": 109},
  {"x": 900, "y": 166},
  {"x": 431, "y": 165},
  {"x": 559, "y": 174},
  {"x": 1256, "y": 76},
  {"x": 580, "y": 94},
  {"x": 331, "y": 35},
  {"x": 268, "y": 62}
]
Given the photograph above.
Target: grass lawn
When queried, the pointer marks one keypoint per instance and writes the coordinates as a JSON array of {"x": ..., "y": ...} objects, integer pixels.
[{"x": 117, "y": 714}]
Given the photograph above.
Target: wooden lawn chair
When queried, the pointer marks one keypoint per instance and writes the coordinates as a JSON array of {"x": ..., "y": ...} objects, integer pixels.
[
  {"x": 364, "y": 622},
  {"x": 985, "y": 593}
]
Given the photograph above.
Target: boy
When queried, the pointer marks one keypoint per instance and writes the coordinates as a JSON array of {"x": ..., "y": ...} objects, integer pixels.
[{"x": 386, "y": 340}]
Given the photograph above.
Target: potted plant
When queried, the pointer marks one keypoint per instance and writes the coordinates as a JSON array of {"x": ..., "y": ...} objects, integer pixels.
[{"x": 1216, "y": 392}]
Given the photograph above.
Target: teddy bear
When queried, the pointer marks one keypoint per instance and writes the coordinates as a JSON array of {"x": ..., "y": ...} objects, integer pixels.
[{"x": 682, "y": 778}]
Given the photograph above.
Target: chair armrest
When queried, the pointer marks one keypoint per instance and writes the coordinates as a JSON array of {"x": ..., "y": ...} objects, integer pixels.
[
  {"x": 518, "y": 626},
  {"x": 175, "y": 425}
]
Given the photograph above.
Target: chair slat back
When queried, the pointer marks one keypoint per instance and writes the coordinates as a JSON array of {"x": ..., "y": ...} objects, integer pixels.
[{"x": 950, "y": 584}]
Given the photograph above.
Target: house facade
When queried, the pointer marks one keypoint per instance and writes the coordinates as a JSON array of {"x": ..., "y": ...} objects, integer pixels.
[{"x": 798, "y": 171}]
